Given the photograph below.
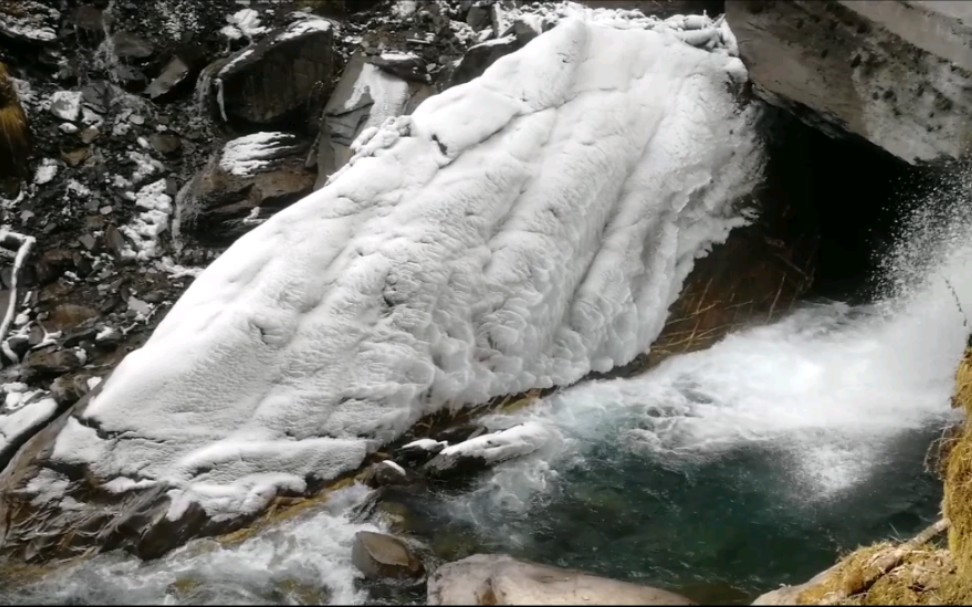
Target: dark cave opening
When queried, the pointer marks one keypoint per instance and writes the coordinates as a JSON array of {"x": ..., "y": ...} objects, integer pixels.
[{"x": 849, "y": 194}]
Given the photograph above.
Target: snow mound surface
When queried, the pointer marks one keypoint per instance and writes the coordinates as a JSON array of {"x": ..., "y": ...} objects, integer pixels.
[{"x": 515, "y": 232}]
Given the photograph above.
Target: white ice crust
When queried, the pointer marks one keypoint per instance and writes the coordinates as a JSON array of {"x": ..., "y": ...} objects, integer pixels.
[{"x": 515, "y": 232}]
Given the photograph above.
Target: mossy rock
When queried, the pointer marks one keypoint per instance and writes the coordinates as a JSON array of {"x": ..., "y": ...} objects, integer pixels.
[{"x": 958, "y": 477}]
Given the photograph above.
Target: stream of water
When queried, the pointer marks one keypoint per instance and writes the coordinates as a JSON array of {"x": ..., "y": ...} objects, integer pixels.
[{"x": 720, "y": 474}]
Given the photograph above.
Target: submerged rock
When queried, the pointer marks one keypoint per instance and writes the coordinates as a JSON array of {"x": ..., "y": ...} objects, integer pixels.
[
  {"x": 896, "y": 73},
  {"x": 381, "y": 556},
  {"x": 386, "y": 474},
  {"x": 493, "y": 579}
]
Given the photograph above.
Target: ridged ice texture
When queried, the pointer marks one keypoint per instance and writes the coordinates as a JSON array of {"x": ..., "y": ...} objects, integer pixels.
[{"x": 516, "y": 232}]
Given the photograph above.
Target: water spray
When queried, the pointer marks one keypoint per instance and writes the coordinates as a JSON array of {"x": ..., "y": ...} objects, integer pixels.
[{"x": 965, "y": 318}]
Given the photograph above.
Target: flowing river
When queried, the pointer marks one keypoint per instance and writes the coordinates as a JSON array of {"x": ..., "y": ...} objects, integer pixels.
[{"x": 719, "y": 474}]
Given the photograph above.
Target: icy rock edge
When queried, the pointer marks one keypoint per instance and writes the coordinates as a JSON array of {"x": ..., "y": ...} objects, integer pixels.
[{"x": 516, "y": 232}]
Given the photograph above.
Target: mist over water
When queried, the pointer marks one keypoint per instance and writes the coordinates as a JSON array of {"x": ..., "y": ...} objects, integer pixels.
[{"x": 728, "y": 471}]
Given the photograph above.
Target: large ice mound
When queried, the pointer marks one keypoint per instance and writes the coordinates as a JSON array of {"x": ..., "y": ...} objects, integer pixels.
[{"x": 515, "y": 232}]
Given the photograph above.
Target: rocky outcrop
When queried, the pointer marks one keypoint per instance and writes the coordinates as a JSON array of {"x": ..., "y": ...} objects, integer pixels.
[
  {"x": 251, "y": 178},
  {"x": 381, "y": 556},
  {"x": 365, "y": 97},
  {"x": 488, "y": 579},
  {"x": 481, "y": 56},
  {"x": 271, "y": 82},
  {"x": 896, "y": 73}
]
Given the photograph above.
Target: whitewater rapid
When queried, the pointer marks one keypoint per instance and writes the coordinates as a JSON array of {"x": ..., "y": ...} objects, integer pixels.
[
  {"x": 826, "y": 391},
  {"x": 824, "y": 400}
]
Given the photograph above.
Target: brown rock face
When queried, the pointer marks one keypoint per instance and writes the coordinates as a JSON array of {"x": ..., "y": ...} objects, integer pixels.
[
  {"x": 222, "y": 201},
  {"x": 896, "y": 73},
  {"x": 381, "y": 556},
  {"x": 270, "y": 83}
]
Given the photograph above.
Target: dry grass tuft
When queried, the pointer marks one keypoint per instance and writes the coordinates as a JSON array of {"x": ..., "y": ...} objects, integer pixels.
[{"x": 14, "y": 131}]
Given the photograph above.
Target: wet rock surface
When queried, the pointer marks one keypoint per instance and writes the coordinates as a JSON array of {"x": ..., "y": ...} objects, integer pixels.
[
  {"x": 895, "y": 73},
  {"x": 486, "y": 579},
  {"x": 381, "y": 556}
]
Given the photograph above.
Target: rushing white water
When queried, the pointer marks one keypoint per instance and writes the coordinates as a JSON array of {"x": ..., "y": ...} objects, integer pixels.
[
  {"x": 826, "y": 391},
  {"x": 305, "y": 561}
]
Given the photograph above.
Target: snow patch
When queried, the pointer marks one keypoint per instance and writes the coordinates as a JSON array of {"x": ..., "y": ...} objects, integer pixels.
[
  {"x": 403, "y": 9},
  {"x": 46, "y": 172},
  {"x": 145, "y": 167},
  {"x": 66, "y": 105},
  {"x": 153, "y": 219},
  {"x": 243, "y": 23},
  {"x": 246, "y": 156}
]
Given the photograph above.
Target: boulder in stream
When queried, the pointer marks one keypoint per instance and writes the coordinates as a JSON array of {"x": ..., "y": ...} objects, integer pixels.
[
  {"x": 496, "y": 579},
  {"x": 381, "y": 556}
]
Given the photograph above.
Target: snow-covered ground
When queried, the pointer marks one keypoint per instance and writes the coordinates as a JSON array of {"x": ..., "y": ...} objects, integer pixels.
[{"x": 515, "y": 232}]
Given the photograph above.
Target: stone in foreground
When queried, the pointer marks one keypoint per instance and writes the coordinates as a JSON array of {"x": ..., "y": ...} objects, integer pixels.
[
  {"x": 896, "y": 73},
  {"x": 495, "y": 579},
  {"x": 381, "y": 556}
]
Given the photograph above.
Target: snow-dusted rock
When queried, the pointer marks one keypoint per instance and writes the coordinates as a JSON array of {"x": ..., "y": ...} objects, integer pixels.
[
  {"x": 515, "y": 232},
  {"x": 243, "y": 184},
  {"x": 21, "y": 413},
  {"x": 419, "y": 451},
  {"x": 29, "y": 21},
  {"x": 268, "y": 82},
  {"x": 364, "y": 98},
  {"x": 488, "y": 450},
  {"x": 66, "y": 105}
]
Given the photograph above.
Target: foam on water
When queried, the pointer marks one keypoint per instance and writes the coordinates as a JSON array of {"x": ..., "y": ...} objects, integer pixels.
[
  {"x": 305, "y": 561},
  {"x": 825, "y": 394}
]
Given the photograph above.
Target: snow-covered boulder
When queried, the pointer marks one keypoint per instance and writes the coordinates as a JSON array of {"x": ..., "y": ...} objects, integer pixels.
[
  {"x": 516, "y": 232},
  {"x": 365, "y": 97}
]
